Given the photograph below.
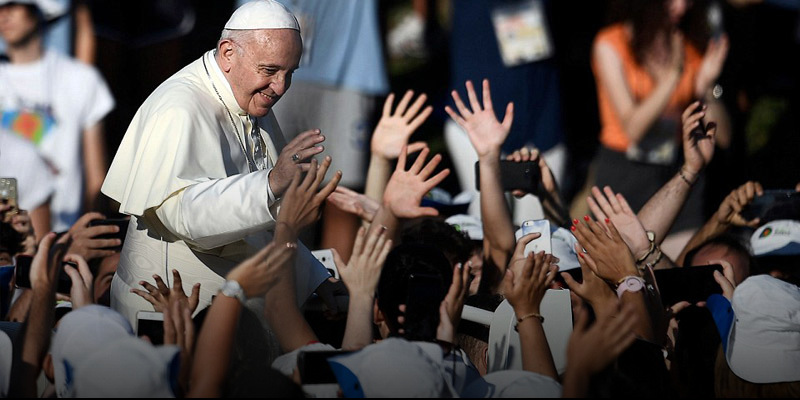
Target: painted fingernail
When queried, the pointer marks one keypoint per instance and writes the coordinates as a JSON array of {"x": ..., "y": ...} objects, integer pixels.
[
  {"x": 581, "y": 254},
  {"x": 586, "y": 218},
  {"x": 572, "y": 227},
  {"x": 575, "y": 221},
  {"x": 607, "y": 221}
]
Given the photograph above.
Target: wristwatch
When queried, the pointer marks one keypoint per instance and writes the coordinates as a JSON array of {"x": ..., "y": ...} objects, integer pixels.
[
  {"x": 233, "y": 289},
  {"x": 629, "y": 284}
]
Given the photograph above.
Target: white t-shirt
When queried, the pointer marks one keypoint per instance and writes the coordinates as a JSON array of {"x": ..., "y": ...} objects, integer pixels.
[
  {"x": 51, "y": 102},
  {"x": 20, "y": 159}
]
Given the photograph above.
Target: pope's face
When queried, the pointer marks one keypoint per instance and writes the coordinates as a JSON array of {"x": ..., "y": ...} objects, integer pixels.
[
  {"x": 261, "y": 68},
  {"x": 16, "y": 23}
]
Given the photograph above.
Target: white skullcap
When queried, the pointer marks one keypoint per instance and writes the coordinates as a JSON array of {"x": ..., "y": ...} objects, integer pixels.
[{"x": 262, "y": 14}]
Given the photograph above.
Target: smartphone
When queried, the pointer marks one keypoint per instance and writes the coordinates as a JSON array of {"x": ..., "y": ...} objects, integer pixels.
[
  {"x": 774, "y": 204},
  {"x": 699, "y": 131},
  {"x": 542, "y": 243},
  {"x": 150, "y": 324},
  {"x": 690, "y": 284},
  {"x": 8, "y": 192},
  {"x": 514, "y": 176},
  {"x": 121, "y": 223},
  {"x": 422, "y": 307},
  {"x": 325, "y": 256},
  {"x": 23, "y": 274}
]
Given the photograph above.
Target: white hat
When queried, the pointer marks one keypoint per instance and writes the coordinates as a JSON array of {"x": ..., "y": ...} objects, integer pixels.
[
  {"x": 128, "y": 367},
  {"x": 513, "y": 383},
  {"x": 777, "y": 238},
  {"x": 395, "y": 367},
  {"x": 262, "y": 14},
  {"x": 468, "y": 224},
  {"x": 6, "y": 357},
  {"x": 764, "y": 340},
  {"x": 50, "y": 9},
  {"x": 286, "y": 363},
  {"x": 79, "y": 334}
]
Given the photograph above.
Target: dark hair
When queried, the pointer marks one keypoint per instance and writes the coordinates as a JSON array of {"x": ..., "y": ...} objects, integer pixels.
[
  {"x": 650, "y": 17},
  {"x": 696, "y": 344},
  {"x": 727, "y": 240},
  {"x": 404, "y": 260},
  {"x": 455, "y": 245},
  {"x": 10, "y": 239}
]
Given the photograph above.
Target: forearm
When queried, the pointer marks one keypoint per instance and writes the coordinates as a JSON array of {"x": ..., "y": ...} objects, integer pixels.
[
  {"x": 644, "y": 325},
  {"x": 36, "y": 342},
  {"x": 642, "y": 115},
  {"x": 203, "y": 215},
  {"x": 283, "y": 315},
  {"x": 213, "y": 349},
  {"x": 378, "y": 174},
  {"x": 659, "y": 213},
  {"x": 358, "y": 331},
  {"x": 95, "y": 164},
  {"x": 386, "y": 219},
  {"x": 497, "y": 227},
  {"x": 536, "y": 356},
  {"x": 576, "y": 383}
]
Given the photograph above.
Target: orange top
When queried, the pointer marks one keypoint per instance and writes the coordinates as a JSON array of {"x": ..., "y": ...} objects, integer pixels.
[{"x": 640, "y": 84}]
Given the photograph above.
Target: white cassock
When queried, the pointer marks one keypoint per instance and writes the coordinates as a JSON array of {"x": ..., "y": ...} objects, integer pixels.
[{"x": 183, "y": 176}]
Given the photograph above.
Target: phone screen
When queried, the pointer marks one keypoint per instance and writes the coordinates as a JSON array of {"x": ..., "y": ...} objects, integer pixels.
[
  {"x": 774, "y": 204},
  {"x": 325, "y": 257},
  {"x": 690, "y": 284},
  {"x": 514, "y": 175},
  {"x": 422, "y": 307},
  {"x": 542, "y": 243},
  {"x": 150, "y": 324},
  {"x": 121, "y": 223}
]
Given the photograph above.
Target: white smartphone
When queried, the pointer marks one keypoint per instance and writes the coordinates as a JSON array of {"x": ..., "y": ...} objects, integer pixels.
[
  {"x": 150, "y": 324},
  {"x": 325, "y": 256},
  {"x": 542, "y": 243}
]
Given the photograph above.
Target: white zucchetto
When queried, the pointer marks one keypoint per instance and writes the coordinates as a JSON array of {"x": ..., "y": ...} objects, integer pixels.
[{"x": 262, "y": 14}]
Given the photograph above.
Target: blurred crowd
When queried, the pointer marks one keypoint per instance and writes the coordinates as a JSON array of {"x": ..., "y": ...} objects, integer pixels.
[{"x": 443, "y": 198}]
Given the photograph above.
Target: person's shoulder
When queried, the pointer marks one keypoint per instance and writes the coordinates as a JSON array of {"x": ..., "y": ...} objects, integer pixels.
[
  {"x": 182, "y": 91},
  {"x": 613, "y": 34},
  {"x": 71, "y": 67}
]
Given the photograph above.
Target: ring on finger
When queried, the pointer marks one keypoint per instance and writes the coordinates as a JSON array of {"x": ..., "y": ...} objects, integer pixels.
[{"x": 295, "y": 157}]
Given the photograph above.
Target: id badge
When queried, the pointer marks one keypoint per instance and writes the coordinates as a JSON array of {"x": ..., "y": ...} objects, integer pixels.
[
  {"x": 521, "y": 31},
  {"x": 306, "y": 22}
]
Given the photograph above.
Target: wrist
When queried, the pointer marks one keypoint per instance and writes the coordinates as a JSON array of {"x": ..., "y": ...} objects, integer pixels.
[
  {"x": 492, "y": 155},
  {"x": 232, "y": 288}
]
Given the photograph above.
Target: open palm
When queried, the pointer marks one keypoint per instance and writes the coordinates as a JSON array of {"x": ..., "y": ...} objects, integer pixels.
[{"x": 486, "y": 133}]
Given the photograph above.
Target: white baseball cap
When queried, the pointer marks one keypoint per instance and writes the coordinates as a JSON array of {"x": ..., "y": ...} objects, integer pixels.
[
  {"x": 513, "y": 384},
  {"x": 776, "y": 238},
  {"x": 79, "y": 334},
  {"x": 262, "y": 14},
  {"x": 50, "y": 9},
  {"x": 127, "y": 367},
  {"x": 395, "y": 367},
  {"x": 764, "y": 340}
]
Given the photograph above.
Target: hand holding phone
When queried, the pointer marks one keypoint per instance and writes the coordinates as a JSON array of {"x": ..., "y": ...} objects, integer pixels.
[
  {"x": 524, "y": 176},
  {"x": 150, "y": 324},
  {"x": 542, "y": 243},
  {"x": 23, "y": 274}
]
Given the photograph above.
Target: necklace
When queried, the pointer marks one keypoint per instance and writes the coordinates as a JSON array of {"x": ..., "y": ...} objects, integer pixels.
[{"x": 251, "y": 164}]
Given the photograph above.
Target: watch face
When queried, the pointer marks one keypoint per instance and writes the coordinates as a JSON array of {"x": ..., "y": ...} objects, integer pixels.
[{"x": 633, "y": 284}]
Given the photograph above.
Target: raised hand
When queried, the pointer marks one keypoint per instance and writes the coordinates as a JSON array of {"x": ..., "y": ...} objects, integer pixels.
[
  {"x": 525, "y": 289},
  {"x": 614, "y": 207},
  {"x": 295, "y": 155},
  {"x": 454, "y": 299},
  {"x": 362, "y": 272},
  {"x": 395, "y": 128},
  {"x": 47, "y": 261},
  {"x": 179, "y": 330},
  {"x": 592, "y": 348},
  {"x": 593, "y": 289},
  {"x": 697, "y": 152},
  {"x": 518, "y": 258},
  {"x": 354, "y": 203},
  {"x": 302, "y": 201},
  {"x": 606, "y": 253},
  {"x": 525, "y": 154},
  {"x": 260, "y": 273},
  {"x": 160, "y": 296},
  {"x": 711, "y": 66},
  {"x": 729, "y": 212},
  {"x": 485, "y": 132},
  {"x": 726, "y": 279},
  {"x": 82, "y": 281},
  {"x": 405, "y": 189},
  {"x": 84, "y": 237}
]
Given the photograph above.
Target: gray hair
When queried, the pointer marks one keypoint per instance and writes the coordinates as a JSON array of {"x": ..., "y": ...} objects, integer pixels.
[{"x": 240, "y": 36}]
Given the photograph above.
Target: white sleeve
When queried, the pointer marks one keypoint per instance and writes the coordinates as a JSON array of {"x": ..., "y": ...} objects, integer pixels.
[{"x": 220, "y": 211}]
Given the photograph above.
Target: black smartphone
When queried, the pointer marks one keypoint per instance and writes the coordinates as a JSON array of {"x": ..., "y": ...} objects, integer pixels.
[
  {"x": 422, "y": 307},
  {"x": 699, "y": 131},
  {"x": 774, "y": 204},
  {"x": 150, "y": 324},
  {"x": 514, "y": 175},
  {"x": 314, "y": 368},
  {"x": 575, "y": 273},
  {"x": 23, "y": 275},
  {"x": 121, "y": 223},
  {"x": 690, "y": 284}
]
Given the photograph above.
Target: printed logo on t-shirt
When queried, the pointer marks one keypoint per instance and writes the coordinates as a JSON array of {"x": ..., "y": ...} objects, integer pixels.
[{"x": 31, "y": 123}]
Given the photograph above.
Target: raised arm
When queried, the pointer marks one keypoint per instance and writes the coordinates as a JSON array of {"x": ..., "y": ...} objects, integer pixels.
[
  {"x": 637, "y": 117},
  {"x": 390, "y": 135},
  {"x": 660, "y": 211},
  {"x": 487, "y": 135},
  {"x": 549, "y": 195}
]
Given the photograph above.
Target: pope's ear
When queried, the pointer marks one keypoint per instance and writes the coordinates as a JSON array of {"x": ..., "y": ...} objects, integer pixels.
[{"x": 226, "y": 50}]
